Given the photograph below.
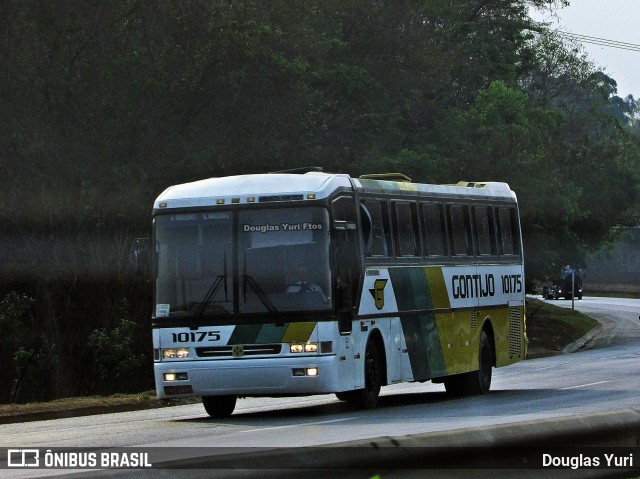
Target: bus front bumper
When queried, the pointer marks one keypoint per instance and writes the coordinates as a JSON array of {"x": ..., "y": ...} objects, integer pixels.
[{"x": 247, "y": 377}]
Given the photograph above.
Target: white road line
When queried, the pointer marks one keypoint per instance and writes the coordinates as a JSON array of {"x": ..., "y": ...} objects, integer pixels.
[
  {"x": 502, "y": 375},
  {"x": 297, "y": 425},
  {"x": 585, "y": 385}
]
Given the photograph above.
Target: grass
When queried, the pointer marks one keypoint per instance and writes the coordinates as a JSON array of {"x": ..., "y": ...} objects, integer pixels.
[
  {"x": 84, "y": 406},
  {"x": 549, "y": 328},
  {"x": 78, "y": 402}
]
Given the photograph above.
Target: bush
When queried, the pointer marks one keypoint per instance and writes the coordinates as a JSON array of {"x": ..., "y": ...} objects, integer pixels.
[
  {"x": 116, "y": 365},
  {"x": 15, "y": 333}
]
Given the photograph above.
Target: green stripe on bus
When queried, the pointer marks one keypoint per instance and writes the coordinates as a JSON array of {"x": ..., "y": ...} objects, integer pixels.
[
  {"x": 245, "y": 334},
  {"x": 271, "y": 333},
  {"x": 421, "y": 334},
  {"x": 410, "y": 287}
]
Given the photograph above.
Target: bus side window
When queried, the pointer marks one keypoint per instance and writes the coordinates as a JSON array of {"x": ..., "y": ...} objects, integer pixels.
[
  {"x": 508, "y": 233},
  {"x": 486, "y": 238},
  {"x": 379, "y": 228},
  {"x": 460, "y": 230},
  {"x": 406, "y": 228},
  {"x": 433, "y": 219}
]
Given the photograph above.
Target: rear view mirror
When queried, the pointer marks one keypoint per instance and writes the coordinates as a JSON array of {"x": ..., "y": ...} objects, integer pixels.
[{"x": 141, "y": 258}]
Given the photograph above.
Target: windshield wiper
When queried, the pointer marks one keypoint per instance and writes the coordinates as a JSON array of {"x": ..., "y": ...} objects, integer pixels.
[
  {"x": 213, "y": 290},
  {"x": 221, "y": 280},
  {"x": 262, "y": 296},
  {"x": 253, "y": 284}
]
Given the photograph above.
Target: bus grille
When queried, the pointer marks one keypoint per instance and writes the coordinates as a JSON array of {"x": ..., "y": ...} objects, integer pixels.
[
  {"x": 474, "y": 319},
  {"x": 247, "y": 350},
  {"x": 515, "y": 331}
]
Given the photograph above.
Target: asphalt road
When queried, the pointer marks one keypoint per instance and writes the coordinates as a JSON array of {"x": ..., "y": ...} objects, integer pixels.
[
  {"x": 603, "y": 376},
  {"x": 619, "y": 317}
]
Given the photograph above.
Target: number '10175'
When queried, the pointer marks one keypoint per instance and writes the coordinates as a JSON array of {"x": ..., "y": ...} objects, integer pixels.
[{"x": 196, "y": 336}]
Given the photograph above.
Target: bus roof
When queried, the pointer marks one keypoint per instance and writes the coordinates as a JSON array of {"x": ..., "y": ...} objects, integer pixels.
[
  {"x": 244, "y": 189},
  {"x": 486, "y": 189},
  {"x": 274, "y": 187}
]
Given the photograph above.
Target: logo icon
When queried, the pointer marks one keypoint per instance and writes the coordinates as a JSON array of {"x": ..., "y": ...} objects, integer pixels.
[
  {"x": 378, "y": 292},
  {"x": 23, "y": 458},
  {"x": 237, "y": 350}
]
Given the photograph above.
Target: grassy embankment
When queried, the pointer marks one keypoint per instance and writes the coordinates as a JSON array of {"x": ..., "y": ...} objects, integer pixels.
[{"x": 550, "y": 330}]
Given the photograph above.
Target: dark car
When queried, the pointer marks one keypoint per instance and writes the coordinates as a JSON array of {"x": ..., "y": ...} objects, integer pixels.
[{"x": 549, "y": 291}]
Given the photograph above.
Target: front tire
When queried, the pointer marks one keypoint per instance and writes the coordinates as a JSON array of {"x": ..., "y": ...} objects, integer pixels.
[
  {"x": 367, "y": 397},
  {"x": 219, "y": 406}
]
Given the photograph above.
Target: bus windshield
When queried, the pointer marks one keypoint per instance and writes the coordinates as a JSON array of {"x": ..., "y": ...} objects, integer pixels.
[{"x": 242, "y": 262}]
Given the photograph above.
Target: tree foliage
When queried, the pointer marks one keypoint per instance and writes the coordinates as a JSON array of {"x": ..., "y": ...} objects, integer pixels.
[{"x": 105, "y": 104}]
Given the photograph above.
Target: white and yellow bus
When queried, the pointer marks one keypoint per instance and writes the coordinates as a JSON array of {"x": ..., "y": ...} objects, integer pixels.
[{"x": 300, "y": 284}]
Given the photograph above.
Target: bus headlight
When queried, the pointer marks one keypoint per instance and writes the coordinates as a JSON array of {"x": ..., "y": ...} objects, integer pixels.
[
  {"x": 307, "y": 348},
  {"x": 179, "y": 353}
]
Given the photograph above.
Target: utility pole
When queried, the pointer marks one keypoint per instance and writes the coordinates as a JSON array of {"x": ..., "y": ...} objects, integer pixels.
[{"x": 573, "y": 293}]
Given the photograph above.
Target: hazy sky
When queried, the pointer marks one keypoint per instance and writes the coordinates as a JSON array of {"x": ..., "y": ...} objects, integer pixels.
[{"x": 617, "y": 20}]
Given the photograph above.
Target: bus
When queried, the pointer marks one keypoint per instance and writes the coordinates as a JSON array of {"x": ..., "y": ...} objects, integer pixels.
[{"x": 286, "y": 284}]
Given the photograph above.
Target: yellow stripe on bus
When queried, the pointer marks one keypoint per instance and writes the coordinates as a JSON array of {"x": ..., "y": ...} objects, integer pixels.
[
  {"x": 298, "y": 332},
  {"x": 437, "y": 288},
  {"x": 445, "y": 330}
]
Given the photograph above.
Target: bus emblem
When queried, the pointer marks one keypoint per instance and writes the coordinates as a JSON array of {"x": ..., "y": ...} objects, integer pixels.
[
  {"x": 378, "y": 292},
  {"x": 237, "y": 350}
]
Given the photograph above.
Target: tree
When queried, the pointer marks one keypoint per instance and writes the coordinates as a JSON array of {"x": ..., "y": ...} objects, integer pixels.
[{"x": 104, "y": 105}]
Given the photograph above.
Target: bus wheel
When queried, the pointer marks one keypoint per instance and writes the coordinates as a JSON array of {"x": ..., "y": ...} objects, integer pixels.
[
  {"x": 455, "y": 385},
  {"x": 372, "y": 377},
  {"x": 219, "y": 406},
  {"x": 367, "y": 397},
  {"x": 480, "y": 380},
  {"x": 474, "y": 382}
]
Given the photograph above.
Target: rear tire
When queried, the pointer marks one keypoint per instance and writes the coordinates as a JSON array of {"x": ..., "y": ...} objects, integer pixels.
[
  {"x": 474, "y": 382},
  {"x": 219, "y": 406},
  {"x": 481, "y": 382},
  {"x": 455, "y": 385}
]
